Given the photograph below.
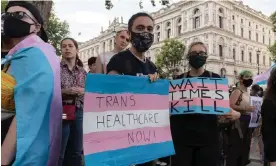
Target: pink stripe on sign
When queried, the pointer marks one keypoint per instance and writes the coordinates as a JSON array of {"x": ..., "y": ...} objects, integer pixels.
[
  {"x": 206, "y": 102},
  {"x": 124, "y": 102},
  {"x": 112, "y": 140},
  {"x": 208, "y": 86}
]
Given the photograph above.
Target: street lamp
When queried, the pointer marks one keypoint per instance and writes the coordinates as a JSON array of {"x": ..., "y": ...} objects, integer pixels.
[{"x": 258, "y": 60}]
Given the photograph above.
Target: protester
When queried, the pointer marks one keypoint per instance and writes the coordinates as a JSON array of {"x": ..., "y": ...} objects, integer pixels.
[
  {"x": 120, "y": 43},
  {"x": 254, "y": 91},
  {"x": 133, "y": 61},
  {"x": 92, "y": 65},
  {"x": 72, "y": 86},
  {"x": 269, "y": 120},
  {"x": 34, "y": 134},
  {"x": 196, "y": 136},
  {"x": 261, "y": 92},
  {"x": 6, "y": 43},
  {"x": 240, "y": 136}
]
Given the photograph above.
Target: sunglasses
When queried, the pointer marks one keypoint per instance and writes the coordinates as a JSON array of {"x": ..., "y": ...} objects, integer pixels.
[
  {"x": 201, "y": 53},
  {"x": 17, "y": 15}
]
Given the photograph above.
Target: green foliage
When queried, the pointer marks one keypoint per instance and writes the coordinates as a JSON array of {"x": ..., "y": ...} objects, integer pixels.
[
  {"x": 57, "y": 30},
  {"x": 170, "y": 57},
  {"x": 3, "y": 5},
  {"x": 273, "y": 19},
  {"x": 272, "y": 49}
]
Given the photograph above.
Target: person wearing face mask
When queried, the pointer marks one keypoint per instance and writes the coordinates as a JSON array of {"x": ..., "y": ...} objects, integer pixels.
[
  {"x": 239, "y": 147},
  {"x": 133, "y": 61},
  {"x": 34, "y": 135},
  {"x": 196, "y": 136},
  {"x": 121, "y": 42}
]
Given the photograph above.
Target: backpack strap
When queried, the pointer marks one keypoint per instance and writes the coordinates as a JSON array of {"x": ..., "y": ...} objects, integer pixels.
[{"x": 240, "y": 98}]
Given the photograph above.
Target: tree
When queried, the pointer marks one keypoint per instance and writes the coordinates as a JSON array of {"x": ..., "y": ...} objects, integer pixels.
[
  {"x": 57, "y": 30},
  {"x": 273, "y": 19},
  {"x": 109, "y": 4},
  {"x": 170, "y": 57},
  {"x": 272, "y": 49},
  {"x": 45, "y": 8},
  {"x": 3, "y": 5}
]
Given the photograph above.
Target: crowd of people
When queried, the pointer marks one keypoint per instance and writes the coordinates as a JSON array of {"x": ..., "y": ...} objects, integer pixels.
[{"x": 47, "y": 97}]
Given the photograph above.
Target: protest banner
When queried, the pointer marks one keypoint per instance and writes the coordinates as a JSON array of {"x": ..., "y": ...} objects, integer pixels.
[
  {"x": 199, "y": 95},
  {"x": 256, "y": 114},
  {"x": 126, "y": 120}
]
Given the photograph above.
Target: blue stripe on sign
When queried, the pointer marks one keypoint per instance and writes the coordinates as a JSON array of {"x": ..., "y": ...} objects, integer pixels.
[
  {"x": 111, "y": 84},
  {"x": 221, "y": 81},
  {"x": 262, "y": 82},
  {"x": 131, "y": 155},
  {"x": 197, "y": 110}
]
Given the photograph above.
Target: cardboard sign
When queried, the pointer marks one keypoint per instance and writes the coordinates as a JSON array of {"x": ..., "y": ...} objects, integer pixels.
[
  {"x": 256, "y": 114},
  {"x": 199, "y": 95},
  {"x": 126, "y": 120}
]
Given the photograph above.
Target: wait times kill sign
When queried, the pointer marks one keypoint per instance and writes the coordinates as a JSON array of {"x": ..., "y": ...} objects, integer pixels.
[{"x": 199, "y": 95}]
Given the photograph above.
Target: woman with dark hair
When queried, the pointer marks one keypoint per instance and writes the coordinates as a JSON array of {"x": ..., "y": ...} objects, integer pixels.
[
  {"x": 72, "y": 88},
  {"x": 196, "y": 136},
  {"x": 269, "y": 120}
]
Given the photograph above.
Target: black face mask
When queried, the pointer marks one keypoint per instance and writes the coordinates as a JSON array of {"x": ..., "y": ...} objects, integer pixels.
[
  {"x": 247, "y": 83},
  {"x": 197, "y": 61},
  {"x": 141, "y": 41},
  {"x": 15, "y": 28}
]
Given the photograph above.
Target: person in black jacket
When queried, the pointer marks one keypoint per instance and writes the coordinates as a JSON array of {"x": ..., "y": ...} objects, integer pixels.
[
  {"x": 269, "y": 120},
  {"x": 196, "y": 136}
]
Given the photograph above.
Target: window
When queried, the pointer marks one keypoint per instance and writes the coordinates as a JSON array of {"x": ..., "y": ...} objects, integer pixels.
[
  {"x": 220, "y": 22},
  {"x": 264, "y": 60},
  {"x": 196, "y": 22},
  {"x": 269, "y": 32},
  {"x": 241, "y": 32},
  {"x": 263, "y": 29},
  {"x": 269, "y": 41},
  {"x": 250, "y": 57},
  {"x": 249, "y": 34},
  {"x": 168, "y": 33},
  {"x": 220, "y": 50},
  {"x": 264, "y": 39},
  {"x": 242, "y": 55},
  {"x": 234, "y": 53},
  {"x": 249, "y": 24},
  {"x": 158, "y": 36},
  {"x": 233, "y": 28},
  {"x": 256, "y": 26},
  {"x": 196, "y": 19},
  {"x": 110, "y": 45},
  {"x": 179, "y": 29},
  {"x": 233, "y": 17},
  {"x": 257, "y": 37},
  {"x": 241, "y": 20}
]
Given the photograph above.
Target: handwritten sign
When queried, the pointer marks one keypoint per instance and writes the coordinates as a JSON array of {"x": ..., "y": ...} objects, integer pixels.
[
  {"x": 256, "y": 114},
  {"x": 199, "y": 95},
  {"x": 126, "y": 120}
]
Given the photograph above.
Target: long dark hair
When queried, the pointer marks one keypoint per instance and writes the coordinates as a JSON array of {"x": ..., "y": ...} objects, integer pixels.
[
  {"x": 271, "y": 87},
  {"x": 78, "y": 61}
]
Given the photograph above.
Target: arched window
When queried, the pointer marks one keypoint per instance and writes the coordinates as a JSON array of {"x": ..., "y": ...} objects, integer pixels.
[
  {"x": 242, "y": 55},
  {"x": 249, "y": 35},
  {"x": 223, "y": 72},
  {"x": 168, "y": 25},
  {"x": 196, "y": 21},
  {"x": 157, "y": 28},
  {"x": 257, "y": 37},
  {"x": 221, "y": 18},
  {"x": 241, "y": 32},
  {"x": 103, "y": 46},
  {"x": 179, "y": 26},
  {"x": 264, "y": 59},
  {"x": 221, "y": 44},
  {"x": 250, "y": 57}
]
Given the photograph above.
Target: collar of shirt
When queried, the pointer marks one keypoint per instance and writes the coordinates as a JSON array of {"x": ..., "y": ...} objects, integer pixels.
[{"x": 64, "y": 64}]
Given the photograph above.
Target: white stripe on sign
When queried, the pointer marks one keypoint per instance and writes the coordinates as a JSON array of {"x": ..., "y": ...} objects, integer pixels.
[
  {"x": 124, "y": 120},
  {"x": 189, "y": 94}
]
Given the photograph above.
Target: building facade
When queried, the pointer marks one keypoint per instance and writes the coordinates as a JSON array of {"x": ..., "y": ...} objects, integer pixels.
[{"x": 236, "y": 35}]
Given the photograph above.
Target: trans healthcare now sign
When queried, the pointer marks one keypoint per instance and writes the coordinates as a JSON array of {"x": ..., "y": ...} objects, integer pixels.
[{"x": 126, "y": 120}]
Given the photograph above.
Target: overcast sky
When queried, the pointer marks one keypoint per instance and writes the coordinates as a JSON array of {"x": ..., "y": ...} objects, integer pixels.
[{"x": 87, "y": 16}]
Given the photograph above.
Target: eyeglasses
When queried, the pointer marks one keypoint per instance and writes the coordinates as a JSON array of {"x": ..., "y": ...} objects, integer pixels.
[
  {"x": 17, "y": 15},
  {"x": 201, "y": 53}
]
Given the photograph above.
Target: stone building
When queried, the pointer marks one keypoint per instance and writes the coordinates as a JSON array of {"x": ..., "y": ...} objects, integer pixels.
[{"x": 236, "y": 35}]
